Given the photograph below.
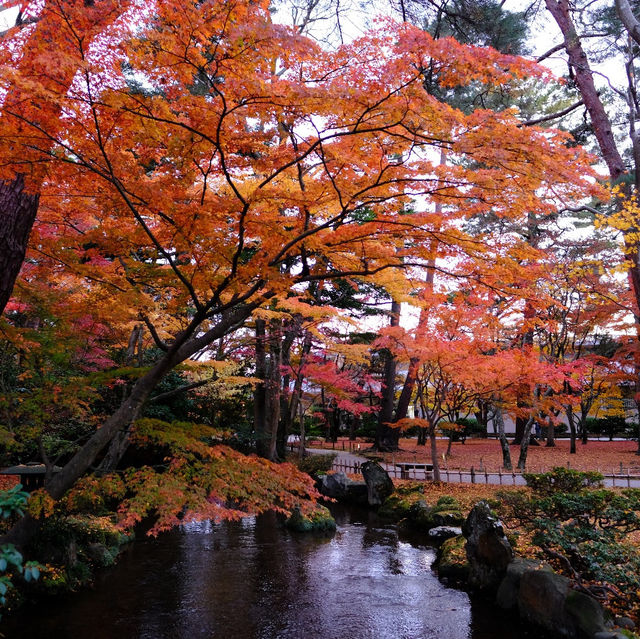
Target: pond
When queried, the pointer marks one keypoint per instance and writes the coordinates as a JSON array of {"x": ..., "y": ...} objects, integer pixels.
[{"x": 254, "y": 579}]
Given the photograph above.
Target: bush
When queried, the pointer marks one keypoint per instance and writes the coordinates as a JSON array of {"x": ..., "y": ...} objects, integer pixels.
[
  {"x": 316, "y": 464},
  {"x": 609, "y": 426},
  {"x": 583, "y": 531},
  {"x": 563, "y": 480},
  {"x": 446, "y": 503}
]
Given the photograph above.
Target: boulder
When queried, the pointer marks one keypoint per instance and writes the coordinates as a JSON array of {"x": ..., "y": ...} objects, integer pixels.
[
  {"x": 451, "y": 560},
  {"x": 625, "y": 622},
  {"x": 319, "y": 520},
  {"x": 445, "y": 518},
  {"x": 100, "y": 555},
  {"x": 339, "y": 486},
  {"x": 419, "y": 515},
  {"x": 488, "y": 550},
  {"x": 379, "y": 484},
  {"x": 440, "y": 534},
  {"x": 396, "y": 507},
  {"x": 507, "y": 595},
  {"x": 546, "y": 599}
]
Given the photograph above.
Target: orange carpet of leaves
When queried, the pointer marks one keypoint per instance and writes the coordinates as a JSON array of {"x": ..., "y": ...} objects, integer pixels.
[{"x": 607, "y": 457}]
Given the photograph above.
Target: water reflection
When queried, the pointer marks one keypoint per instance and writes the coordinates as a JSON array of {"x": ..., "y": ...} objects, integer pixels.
[{"x": 254, "y": 580}]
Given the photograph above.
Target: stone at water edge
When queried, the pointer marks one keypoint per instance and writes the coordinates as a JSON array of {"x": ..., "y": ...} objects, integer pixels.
[
  {"x": 319, "y": 520},
  {"x": 451, "y": 561},
  {"x": 339, "y": 486},
  {"x": 379, "y": 484},
  {"x": 546, "y": 599},
  {"x": 488, "y": 550},
  {"x": 507, "y": 595},
  {"x": 440, "y": 534}
]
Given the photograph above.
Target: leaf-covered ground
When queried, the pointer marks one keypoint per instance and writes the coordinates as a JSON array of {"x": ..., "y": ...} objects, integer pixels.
[{"x": 605, "y": 456}]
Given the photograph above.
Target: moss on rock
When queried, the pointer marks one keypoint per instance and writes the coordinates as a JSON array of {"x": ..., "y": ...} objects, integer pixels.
[
  {"x": 319, "y": 520},
  {"x": 451, "y": 560}
]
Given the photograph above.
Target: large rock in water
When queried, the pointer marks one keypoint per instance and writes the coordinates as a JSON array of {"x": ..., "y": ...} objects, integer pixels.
[
  {"x": 379, "y": 484},
  {"x": 488, "y": 550},
  {"x": 340, "y": 487}
]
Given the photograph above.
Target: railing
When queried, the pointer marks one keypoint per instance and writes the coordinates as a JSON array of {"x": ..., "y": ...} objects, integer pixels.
[{"x": 475, "y": 476}]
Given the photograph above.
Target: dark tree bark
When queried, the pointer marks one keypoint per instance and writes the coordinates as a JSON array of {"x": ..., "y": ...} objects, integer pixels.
[
  {"x": 498, "y": 421},
  {"x": 571, "y": 418},
  {"x": 18, "y": 211},
  {"x": 387, "y": 437},
  {"x": 259, "y": 394},
  {"x": 524, "y": 445}
]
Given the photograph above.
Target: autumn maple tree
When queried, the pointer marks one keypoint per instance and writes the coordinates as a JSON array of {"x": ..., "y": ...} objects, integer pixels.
[{"x": 204, "y": 166}]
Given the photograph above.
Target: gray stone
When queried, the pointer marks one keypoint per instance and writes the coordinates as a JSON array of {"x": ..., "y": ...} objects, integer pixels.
[
  {"x": 545, "y": 599},
  {"x": 586, "y": 612},
  {"x": 379, "y": 484},
  {"x": 440, "y": 534},
  {"x": 507, "y": 595},
  {"x": 339, "y": 486},
  {"x": 320, "y": 520},
  {"x": 541, "y": 598},
  {"x": 488, "y": 550},
  {"x": 419, "y": 514},
  {"x": 446, "y": 518},
  {"x": 625, "y": 622}
]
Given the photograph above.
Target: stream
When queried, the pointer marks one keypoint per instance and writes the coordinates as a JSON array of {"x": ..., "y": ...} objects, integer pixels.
[{"x": 254, "y": 579}]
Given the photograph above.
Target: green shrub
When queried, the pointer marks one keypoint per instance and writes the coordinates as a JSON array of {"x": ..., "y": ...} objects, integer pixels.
[
  {"x": 563, "y": 480},
  {"x": 583, "y": 533},
  {"x": 316, "y": 464},
  {"x": 12, "y": 503},
  {"x": 446, "y": 502}
]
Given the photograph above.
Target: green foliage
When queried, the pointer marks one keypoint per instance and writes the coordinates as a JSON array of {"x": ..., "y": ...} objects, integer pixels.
[
  {"x": 445, "y": 503},
  {"x": 563, "y": 480},
  {"x": 12, "y": 502},
  {"x": 609, "y": 426},
  {"x": 316, "y": 464}
]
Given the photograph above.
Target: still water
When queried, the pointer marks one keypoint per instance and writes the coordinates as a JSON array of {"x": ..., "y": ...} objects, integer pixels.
[{"x": 255, "y": 580}]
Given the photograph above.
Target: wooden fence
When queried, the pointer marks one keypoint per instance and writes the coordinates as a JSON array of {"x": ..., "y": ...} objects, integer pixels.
[{"x": 475, "y": 476}]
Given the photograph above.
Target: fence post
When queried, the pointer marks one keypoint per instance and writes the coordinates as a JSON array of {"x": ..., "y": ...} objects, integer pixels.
[{"x": 473, "y": 475}]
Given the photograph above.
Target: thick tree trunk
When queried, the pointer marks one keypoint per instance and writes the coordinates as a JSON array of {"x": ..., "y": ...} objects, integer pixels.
[
  {"x": 551, "y": 435},
  {"x": 17, "y": 214},
  {"x": 259, "y": 394},
  {"x": 524, "y": 446},
  {"x": 387, "y": 437},
  {"x": 498, "y": 422},
  {"x": 560, "y": 10},
  {"x": 571, "y": 418},
  {"x": 602, "y": 128},
  {"x": 434, "y": 453},
  {"x": 273, "y": 388}
]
